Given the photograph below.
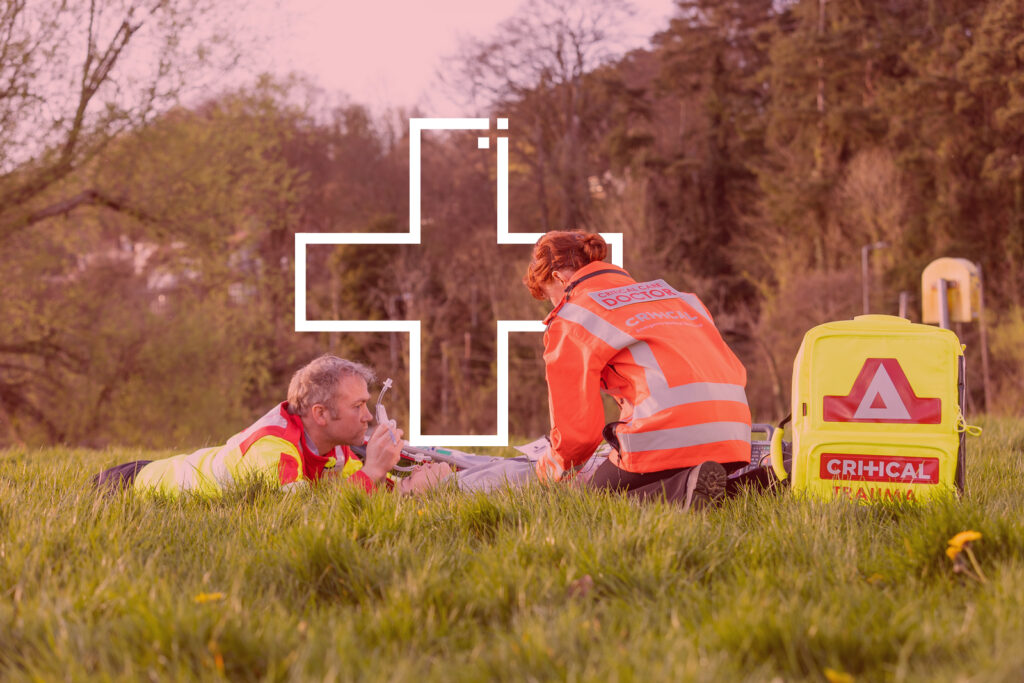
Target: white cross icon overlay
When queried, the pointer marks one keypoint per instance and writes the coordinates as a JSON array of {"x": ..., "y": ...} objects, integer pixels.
[{"x": 412, "y": 327}]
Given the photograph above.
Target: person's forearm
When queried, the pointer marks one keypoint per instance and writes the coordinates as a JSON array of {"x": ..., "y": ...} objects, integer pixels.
[
  {"x": 374, "y": 474},
  {"x": 360, "y": 478}
]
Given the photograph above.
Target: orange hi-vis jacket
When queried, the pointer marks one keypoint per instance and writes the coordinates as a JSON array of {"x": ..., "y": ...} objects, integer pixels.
[
  {"x": 658, "y": 353},
  {"x": 274, "y": 449}
]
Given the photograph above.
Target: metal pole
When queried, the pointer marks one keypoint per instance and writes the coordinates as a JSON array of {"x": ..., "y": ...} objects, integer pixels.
[
  {"x": 864, "y": 274},
  {"x": 986, "y": 380},
  {"x": 943, "y": 304},
  {"x": 904, "y": 304}
]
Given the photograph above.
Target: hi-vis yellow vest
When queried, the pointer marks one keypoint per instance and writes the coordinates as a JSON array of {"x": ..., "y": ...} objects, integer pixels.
[
  {"x": 273, "y": 449},
  {"x": 877, "y": 411}
]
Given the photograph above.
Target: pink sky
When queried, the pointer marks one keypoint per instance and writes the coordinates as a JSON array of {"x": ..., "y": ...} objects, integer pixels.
[{"x": 386, "y": 52}]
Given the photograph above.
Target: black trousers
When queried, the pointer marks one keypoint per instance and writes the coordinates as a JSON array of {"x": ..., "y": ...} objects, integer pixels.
[
  {"x": 118, "y": 477},
  {"x": 669, "y": 485}
]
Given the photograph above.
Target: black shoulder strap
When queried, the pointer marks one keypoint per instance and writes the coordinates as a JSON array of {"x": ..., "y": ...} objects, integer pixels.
[
  {"x": 572, "y": 285},
  {"x": 586, "y": 277}
]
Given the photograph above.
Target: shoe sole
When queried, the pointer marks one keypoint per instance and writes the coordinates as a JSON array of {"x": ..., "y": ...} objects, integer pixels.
[{"x": 705, "y": 486}]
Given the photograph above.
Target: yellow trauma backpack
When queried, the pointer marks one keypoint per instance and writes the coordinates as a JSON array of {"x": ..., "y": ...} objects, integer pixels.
[{"x": 877, "y": 412}]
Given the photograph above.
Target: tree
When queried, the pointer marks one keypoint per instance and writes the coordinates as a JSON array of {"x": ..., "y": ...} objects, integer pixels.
[
  {"x": 536, "y": 69},
  {"x": 710, "y": 61},
  {"x": 118, "y": 217},
  {"x": 74, "y": 75},
  {"x": 957, "y": 128}
]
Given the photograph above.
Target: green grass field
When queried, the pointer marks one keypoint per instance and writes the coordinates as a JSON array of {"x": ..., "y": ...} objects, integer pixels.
[{"x": 332, "y": 584}]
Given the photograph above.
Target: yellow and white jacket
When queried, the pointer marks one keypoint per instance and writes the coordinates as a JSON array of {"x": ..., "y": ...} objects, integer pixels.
[{"x": 274, "y": 448}]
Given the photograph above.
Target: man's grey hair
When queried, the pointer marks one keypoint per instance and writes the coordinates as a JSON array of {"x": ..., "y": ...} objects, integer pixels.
[{"x": 317, "y": 382}]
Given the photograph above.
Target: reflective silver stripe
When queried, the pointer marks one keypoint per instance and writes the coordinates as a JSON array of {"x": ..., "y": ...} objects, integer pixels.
[
  {"x": 189, "y": 477},
  {"x": 696, "y": 305},
  {"x": 695, "y": 392},
  {"x": 644, "y": 357},
  {"x": 661, "y": 395},
  {"x": 596, "y": 325},
  {"x": 184, "y": 474},
  {"x": 682, "y": 437},
  {"x": 221, "y": 473},
  {"x": 273, "y": 418},
  {"x": 617, "y": 339}
]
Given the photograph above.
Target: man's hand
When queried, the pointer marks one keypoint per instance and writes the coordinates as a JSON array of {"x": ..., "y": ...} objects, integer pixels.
[
  {"x": 424, "y": 477},
  {"x": 381, "y": 453}
]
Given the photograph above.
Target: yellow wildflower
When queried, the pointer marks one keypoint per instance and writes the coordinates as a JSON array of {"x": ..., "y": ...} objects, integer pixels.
[
  {"x": 960, "y": 541},
  {"x": 218, "y": 658},
  {"x": 208, "y": 597},
  {"x": 960, "y": 546},
  {"x": 833, "y": 676}
]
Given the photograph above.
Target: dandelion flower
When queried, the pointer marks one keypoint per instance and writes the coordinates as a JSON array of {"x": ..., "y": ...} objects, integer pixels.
[
  {"x": 964, "y": 537},
  {"x": 833, "y": 676},
  {"x": 960, "y": 541},
  {"x": 208, "y": 597}
]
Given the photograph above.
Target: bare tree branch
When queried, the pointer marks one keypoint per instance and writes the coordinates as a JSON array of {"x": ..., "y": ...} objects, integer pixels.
[{"x": 65, "y": 206}]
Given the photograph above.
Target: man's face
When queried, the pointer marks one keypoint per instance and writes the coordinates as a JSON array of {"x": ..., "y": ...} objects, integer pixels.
[{"x": 347, "y": 416}]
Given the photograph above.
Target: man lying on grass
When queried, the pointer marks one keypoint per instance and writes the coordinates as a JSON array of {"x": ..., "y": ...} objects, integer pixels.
[{"x": 302, "y": 440}]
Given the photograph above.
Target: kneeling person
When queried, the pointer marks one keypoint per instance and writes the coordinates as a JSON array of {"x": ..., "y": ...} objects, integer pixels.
[
  {"x": 681, "y": 390},
  {"x": 304, "y": 439}
]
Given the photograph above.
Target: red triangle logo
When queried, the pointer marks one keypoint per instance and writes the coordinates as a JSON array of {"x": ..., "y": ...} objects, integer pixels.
[{"x": 882, "y": 393}]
